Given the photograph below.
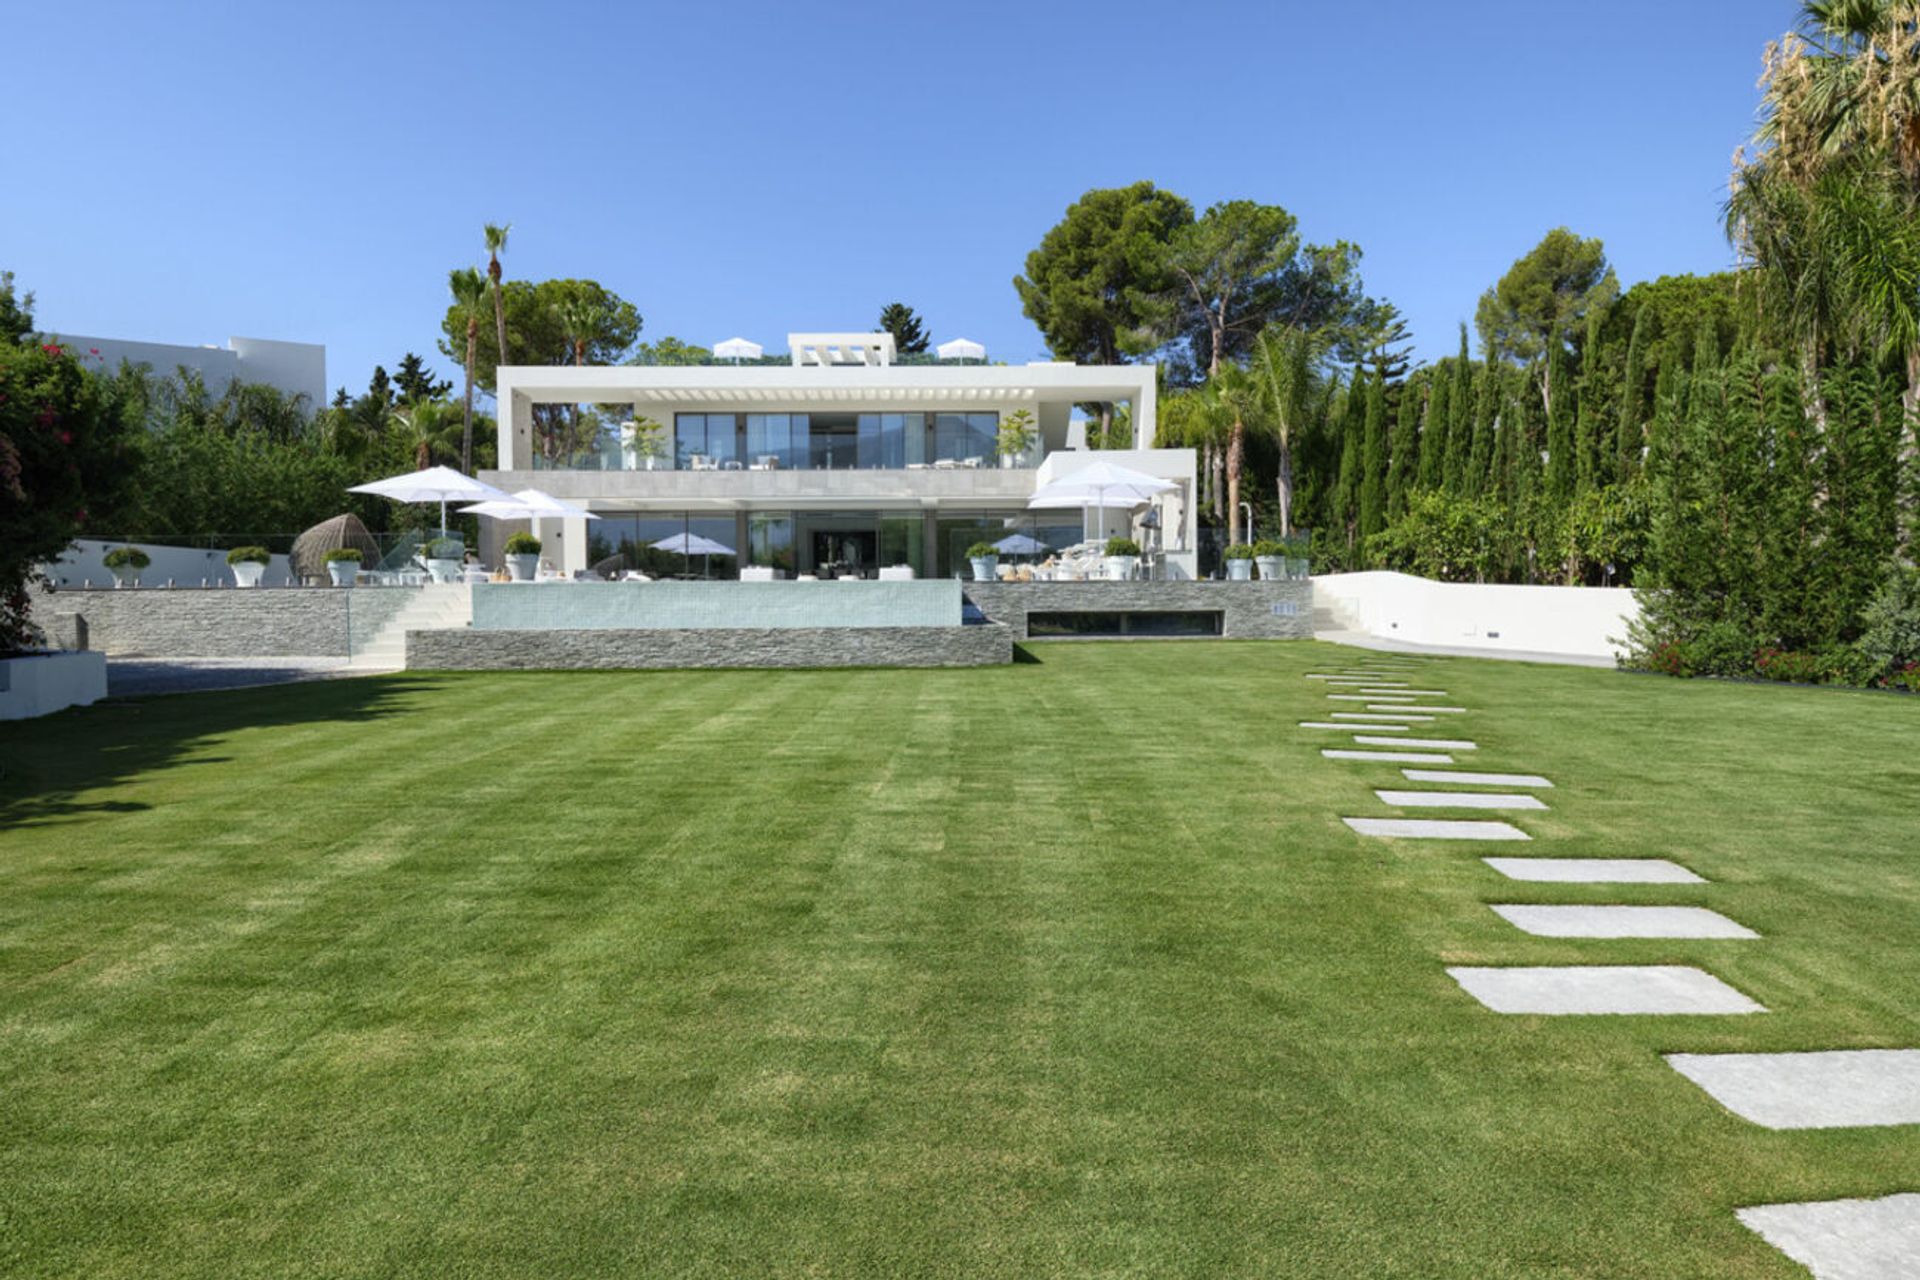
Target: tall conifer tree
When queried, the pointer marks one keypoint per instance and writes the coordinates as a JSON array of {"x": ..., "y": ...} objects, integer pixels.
[{"x": 1373, "y": 450}]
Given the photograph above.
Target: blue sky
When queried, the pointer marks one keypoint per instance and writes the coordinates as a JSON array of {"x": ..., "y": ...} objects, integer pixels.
[{"x": 185, "y": 172}]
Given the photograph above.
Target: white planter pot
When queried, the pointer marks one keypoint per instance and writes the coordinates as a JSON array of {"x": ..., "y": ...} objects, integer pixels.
[
  {"x": 125, "y": 576},
  {"x": 343, "y": 572},
  {"x": 247, "y": 573},
  {"x": 1239, "y": 571},
  {"x": 986, "y": 568},
  {"x": 1272, "y": 568},
  {"x": 444, "y": 570},
  {"x": 522, "y": 568},
  {"x": 1008, "y": 462},
  {"x": 1122, "y": 568}
]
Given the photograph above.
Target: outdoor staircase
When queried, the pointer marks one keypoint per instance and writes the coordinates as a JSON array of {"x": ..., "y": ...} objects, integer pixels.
[{"x": 441, "y": 606}]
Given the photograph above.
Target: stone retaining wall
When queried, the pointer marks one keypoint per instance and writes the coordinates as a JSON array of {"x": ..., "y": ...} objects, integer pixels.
[
  {"x": 1281, "y": 610},
  {"x": 191, "y": 622},
  {"x": 660, "y": 648}
]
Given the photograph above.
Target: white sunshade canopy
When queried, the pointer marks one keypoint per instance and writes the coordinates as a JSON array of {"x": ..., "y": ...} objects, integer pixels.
[
  {"x": 692, "y": 544},
  {"x": 529, "y": 504},
  {"x": 961, "y": 349},
  {"x": 737, "y": 349},
  {"x": 1019, "y": 544},
  {"x": 435, "y": 484},
  {"x": 1103, "y": 484}
]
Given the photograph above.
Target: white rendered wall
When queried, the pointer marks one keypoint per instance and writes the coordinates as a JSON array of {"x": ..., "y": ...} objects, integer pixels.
[
  {"x": 299, "y": 368},
  {"x": 1574, "y": 621},
  {"x": 183, "y": 566},
  {"x": 45, "y": 683}
]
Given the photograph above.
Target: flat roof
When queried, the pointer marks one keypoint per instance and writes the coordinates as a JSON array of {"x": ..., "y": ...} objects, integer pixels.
[{"x": 569, "y": 383}]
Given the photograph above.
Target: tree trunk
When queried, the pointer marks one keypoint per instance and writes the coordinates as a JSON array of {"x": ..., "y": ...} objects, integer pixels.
[
  {"x": 1236, "y": 463},
  {"x": 1217, "y": 463},
  {"x": 1106, "y": 425},
  {"x": 1283, "y": 487},
  {"x": 1910, "y": 410},
  {"x": 499, "y": 314},
  {"x": 466, "y": 427}
]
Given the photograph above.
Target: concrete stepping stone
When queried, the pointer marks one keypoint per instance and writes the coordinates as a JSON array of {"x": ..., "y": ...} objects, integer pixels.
[
  {"x": 1828, "y": 1089},
  {"x": 1379, "y": 716},
  {"x": 1457, "y": 800},
  {"x": 1474, "y": 779},
  {"x": 1388, "y": 757},
  {"x": 1335, "y": 724},
  {"x": 1569, "y": 990},
  {"x": 1383, "y": 704},
  {"x": 1364, "y": 697},
  {"x": 1612, "y": 921},
  {"x": 1593, "y": 870},
  {"x": 1402, "y": 691},
  {"x": 1436, "y": 744},
  {"x": 1844, "y": 1239},
  {"x": 1435, "y": 829}
]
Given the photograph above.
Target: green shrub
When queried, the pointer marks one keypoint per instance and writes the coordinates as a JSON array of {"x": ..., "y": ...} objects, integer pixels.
[
  {"x": 1907, "y": 678},
  {"x": 523, "y": 544},
  {"x": 444, "y": 549},
  {"x": 1890, "y": 638},
  {"x": 249, "y": 555},
  {"x": 126, "y": 558},
  {"x": 1122, "y": 547},
  {"x": 1845, "y": 664},
  {"x": 1789, "y": 667},
  {"x": 983, "y": 551},
  {"x": 1269, "y": 547},
  {"x": 342, "y": 554},
  {"x": 1239, "y": 551}
]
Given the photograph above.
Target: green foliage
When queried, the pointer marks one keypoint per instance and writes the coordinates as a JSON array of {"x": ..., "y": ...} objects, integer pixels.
[
  {"x": 522, "y": 544},
  {"x": 1373, "y": 462},
  {"x": 1543, "y": 299},
  {"x": 1016, "y": 433},
  {"x": 1118, "y": 546},
  {"x": 669, "y": 352},
  {"x": 983, "y": 551},
  {"x": 444, "y": 549},
  {"x": 1890, "y": 631},
  {"x": 1240, "y": 551},
  {"x": 1265, "y": 547},
  {"x": 63, "y": 455},
  {"x": 249, "y": 555},
  {"x": 414, "y": 382},
  {"x": 538, "y": 329},
  {"x": 1093, "y": 286},
  {"x": 16, "y": 312},
  {"x": 126, "y": 558},
  {"x": 341, "y": 555},
  {"x": 909, "y": 335},
  {"x": 1446, "y": 537}
]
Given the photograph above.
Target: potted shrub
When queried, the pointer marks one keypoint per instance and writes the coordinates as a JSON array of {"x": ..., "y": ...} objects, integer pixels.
[
  {"x": 1239, "y": 562},
  {"x": 986, "y": 561},
  {"x": 523, "y": 556},
  {"x": 126, "y": 564},
  {"x": 1016, "y": 437},
  {"x": 1271, "y": 557},
  {"x": 443, "y": 559},
  {"x": 248, "y": 563},
  {"x": 1123, "y": 558},
  {"x": 649, "y": 442},
  {"x": 343, "y": 565}
]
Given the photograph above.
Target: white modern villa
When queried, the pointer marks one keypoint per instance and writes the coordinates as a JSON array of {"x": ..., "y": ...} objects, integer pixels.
[{"x": 841, "y": 458}]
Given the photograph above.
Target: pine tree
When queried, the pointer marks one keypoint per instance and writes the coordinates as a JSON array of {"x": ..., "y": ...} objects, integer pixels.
[
  {"x": 1560, "y": 460},
  {"x": 909, "y": 335},
  {"x": 1460, "y": 427},
  {"x": 415, "y": 382},
  {"x": 1373, "y": 461}
]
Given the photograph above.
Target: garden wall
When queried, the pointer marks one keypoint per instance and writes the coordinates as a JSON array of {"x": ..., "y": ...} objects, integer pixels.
[
  {"x": 1573, "y": 622},
  {"x": 663, "y": 648},
  {"x": 260, "y": 622},
  {"x": 1281, "y": 610}
]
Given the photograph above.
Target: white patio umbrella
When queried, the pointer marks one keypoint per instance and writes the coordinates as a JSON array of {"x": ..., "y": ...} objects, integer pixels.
[
  {"x": 435, "y": 484},
  {"x": 1099, "y": 486},
  {"x": 1019, "y": 544},
  {"x": 524, "y": 504},
  {"x": 737, "y": 349},
  {"x": 692, "y": 544},
  {"x": 961, "y": 349}
]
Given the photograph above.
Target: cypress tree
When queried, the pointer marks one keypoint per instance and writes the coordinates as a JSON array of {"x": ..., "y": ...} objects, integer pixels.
[
  {"x": 1403, "y": 463},
  {"x": 1436, "y": 437},
  {"x": 1373, "y": 460},
  {"x": 1630, "y": 430},
  {"x": 1346, "y": 490},
  {"x": 1483, "y": 456},
  {"x": 1460, "y": 425},
  {"x": 1591, "y": 471},
  {"x": 1560, "y": 462}
]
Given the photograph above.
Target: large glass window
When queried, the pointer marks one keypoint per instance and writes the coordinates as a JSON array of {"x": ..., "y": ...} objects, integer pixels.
[
  {"x": 620, "y": 541},
  {"x": 891, "y": 440},
  {"x": 703, "y": 440},
  {"x": 779, "y": 437},
  {"x": 770, "y": 539},
  {"x": 960, "y": 436},
  {"x": 953, "y": 534}
]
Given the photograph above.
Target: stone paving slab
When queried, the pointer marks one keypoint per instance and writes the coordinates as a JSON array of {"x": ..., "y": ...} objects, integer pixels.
[
  {"x": 1347, "y": 728},
  {"x": 1602, "y": 989},
  {"x": 1436, "y": 744},
  {"x": 1379, "y": 716},
  {"x": 1594, "y": 870},
  {"x": 1382, "y": 704},
  {"x": 1435, "y": 829},
  {"x": 1615, "y": 921},
  {"x": 1388, "y": 757},
  {"x": 1402, "y": 690},
  {"x": 1474, "y": 779},
  {"x": 1365, "y": 697},
  {"x": 1830, "y": 1089},
  {"x": 1844, "y": 1239},
  {"x": 1458, "y": 800}
]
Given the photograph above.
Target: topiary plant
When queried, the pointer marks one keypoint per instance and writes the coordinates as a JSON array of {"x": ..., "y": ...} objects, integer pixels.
[
  {"x": 1122, "y": 547},
  {"x": 983, "y": 551},
  {"x": 339, "y": 554},
  {"x": 246, "y": 555},
  {"x": 1016, "y": 433},
  {"x": 126, "y": 558},
  {"x": 1269, "y": 547},
  {"x": 1240, "y": 551},
  {"x": 523, "y": 544}
]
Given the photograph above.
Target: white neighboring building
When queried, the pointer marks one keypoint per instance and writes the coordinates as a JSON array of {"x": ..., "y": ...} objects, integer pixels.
[
  {"x": 839, "y": 460},
  {"x": 299, "y": 368}
]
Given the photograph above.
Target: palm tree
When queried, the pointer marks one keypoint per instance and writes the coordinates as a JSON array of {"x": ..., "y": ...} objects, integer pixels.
[
  {"x": 496, "y": 237},
  {"x": 427, "y": 427},
  {"x": 1285, "y": 361},
  {"x": 470, "y": 296},
  {"x": 1237, "y": 395}
]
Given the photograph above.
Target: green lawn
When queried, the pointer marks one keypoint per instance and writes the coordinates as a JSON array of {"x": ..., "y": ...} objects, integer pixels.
[{"x": 1066, "y": 968}]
